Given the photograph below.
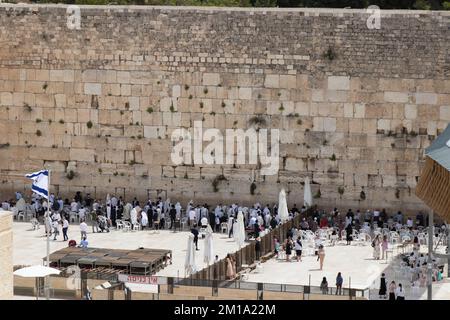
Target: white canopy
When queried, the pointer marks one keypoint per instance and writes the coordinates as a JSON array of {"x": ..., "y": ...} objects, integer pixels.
[
  {"x": 283, "y": 213},
  {"x": 239, "y": 230},
  {"x": 189, "y": 263},
  {"x": 307, "y": 197},
  {"x": 36, "y": 272},
  {"x": 209, "y": 246}
]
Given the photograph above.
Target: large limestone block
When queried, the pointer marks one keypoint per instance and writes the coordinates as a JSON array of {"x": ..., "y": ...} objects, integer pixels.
[
  {"x": 82, "y": 154},
  {"x": 338, "y": 83},
  {"x": 93, "y": 88},
  {"x": 400, "y": 97},
  {"x": 211, "y": 79},
  {"x": 272, "y": 81}
]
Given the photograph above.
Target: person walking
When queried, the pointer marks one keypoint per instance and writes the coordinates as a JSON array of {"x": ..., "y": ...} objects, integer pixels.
[
  {"x": 399, "y": 292},
  {"x": 339, "y": 282},
  {"x": 288, "y": 249},
  {"x": 392, "y": 289},
  {"x": 83, "y": 229},
  {"x": 231, "y": 273},
  {"x": 324, "y": 286},
  {"x": 298, "y": 249},
  {"x": 194, "y": 231},
  {"x": 173, "y": 215},
  {"x": 65, "y": 227},
  {"x": 376, "y": 247},
  {"x": 383, "y": 289},
  {"x": 384, "y": 247},
  {"x": 258, "y": 248},
  {"x": 321, "y": 256}
]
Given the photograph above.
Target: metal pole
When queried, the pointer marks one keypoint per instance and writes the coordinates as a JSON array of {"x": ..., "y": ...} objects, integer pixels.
[
  {"x": 47, "y": 278},
  {"x": 430, "y": 250}
]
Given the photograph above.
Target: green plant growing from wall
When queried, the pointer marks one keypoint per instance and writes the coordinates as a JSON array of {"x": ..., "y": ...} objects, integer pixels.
[
  {"x": 216, "y": 181},
  {"x": 281, "y": 108},
  {"x": 329, "y": 54},
  {"x": 38, "y": 120},
  {"x": 38, "y": 133},
  {"x": 89, "y": 124},
  {"x": 333, "y": 157},
  {"x": 205, "y": 90},
  {"x": 61, "y": 121},
  {"x": 318, "y": 194},
  {"x": 186, "y": 87},
  {"x": 149, "y": 109},
  {"x": 341, "y": 190},
  {"x": 70, "y": 175},
  {"x": 6, "y": 145},
  {"x": 44, "y": 86},
  {"x": 258, "y": 121},
  {"x": 252, "y": 188},
  {"x": 27, "y": 107},
  {"x": 201, "y": 105},
  {"x": 362, "y": 195}
]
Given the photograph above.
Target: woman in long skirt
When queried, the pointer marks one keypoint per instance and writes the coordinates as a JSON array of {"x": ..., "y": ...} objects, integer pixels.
[
  {"x": 392, "y": 288},
  {"x": 383, "y": 289}
]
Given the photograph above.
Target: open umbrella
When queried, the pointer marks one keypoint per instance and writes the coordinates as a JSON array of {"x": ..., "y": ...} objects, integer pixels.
[
  {"x": 36, "y": 272},
  {"x": 239, "y": 230},
  {"x": 209, "y": 246},
  {"x": 189, "y": 263},
  {"x": 307, "y": 197},
  {"x": 282, "y": 206}
]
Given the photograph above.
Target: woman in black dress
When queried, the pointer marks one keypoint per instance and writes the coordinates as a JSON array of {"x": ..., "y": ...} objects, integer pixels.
[
  {"x": 288, "y": 249},
  {"x": 383, "y": 288}
]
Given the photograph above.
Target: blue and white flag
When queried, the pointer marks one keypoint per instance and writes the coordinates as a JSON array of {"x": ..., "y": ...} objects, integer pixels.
[{"x": 40, "y": 182}]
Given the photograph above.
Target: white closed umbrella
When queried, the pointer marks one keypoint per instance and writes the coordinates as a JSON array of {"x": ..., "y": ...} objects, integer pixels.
[
  {"x": 189, "y": 263},
  {"x": 307, "y": 196},
  {"x": 36, "y": 272},
  {"x": 239, "y": 230},
  {"x": 209, "y": 246},
  {"x": 283, "y": 213}
]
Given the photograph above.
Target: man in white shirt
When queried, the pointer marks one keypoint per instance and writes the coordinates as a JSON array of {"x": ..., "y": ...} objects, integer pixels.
[
  {"x": 82, "y": 213},
  {"x": 409, "y": 223},
  {"x": 74, "y": 206},
  {"x": 83, "y": 229},
  {"x": 5, "y": 205}
]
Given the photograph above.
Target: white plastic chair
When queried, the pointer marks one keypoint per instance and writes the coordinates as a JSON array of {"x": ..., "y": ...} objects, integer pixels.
[
  {"x": 119, "y": 224},
  {"x": 20, "y": 215},
  {"x": 183, "y": 223},
  {"x": 126, "y": 226},
  {"x": 224, "y": 227},
  {"x": 73, "y": 216},
  {"x": 136, "y": 227}
]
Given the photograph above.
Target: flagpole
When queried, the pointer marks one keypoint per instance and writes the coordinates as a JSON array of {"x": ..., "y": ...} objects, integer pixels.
[{"x": 48, "y": 237}]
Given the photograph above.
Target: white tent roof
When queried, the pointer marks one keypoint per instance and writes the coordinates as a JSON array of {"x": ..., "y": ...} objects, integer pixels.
[{"x": 36, "y": 272}]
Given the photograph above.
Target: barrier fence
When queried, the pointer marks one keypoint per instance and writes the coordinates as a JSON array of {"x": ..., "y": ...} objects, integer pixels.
[{"x": 246, "y": 256}]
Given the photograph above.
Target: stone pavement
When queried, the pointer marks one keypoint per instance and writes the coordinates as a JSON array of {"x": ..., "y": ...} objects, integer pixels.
[{"x": 29, "y": 247}]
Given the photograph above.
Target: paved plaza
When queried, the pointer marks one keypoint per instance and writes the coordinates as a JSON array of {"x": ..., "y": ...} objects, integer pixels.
[
  {"x": 355, "y": 262},
  {"x": 30, "y": 246}
]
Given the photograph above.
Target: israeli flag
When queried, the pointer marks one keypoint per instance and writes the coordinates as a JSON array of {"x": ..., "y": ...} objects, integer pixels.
[{"x": 40, "y": 182}]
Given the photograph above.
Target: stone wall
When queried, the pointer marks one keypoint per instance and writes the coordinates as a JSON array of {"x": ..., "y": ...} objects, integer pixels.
[
  {"x": 356, "y": 106},
  {"x": 6, "y": 256}
]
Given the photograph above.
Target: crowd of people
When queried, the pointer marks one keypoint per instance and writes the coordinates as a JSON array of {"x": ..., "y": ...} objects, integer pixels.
[{"x": 56, "y": 214}]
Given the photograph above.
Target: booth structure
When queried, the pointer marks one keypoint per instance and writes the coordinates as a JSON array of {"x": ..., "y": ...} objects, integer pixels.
[{"x": 433, "y": 187}]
